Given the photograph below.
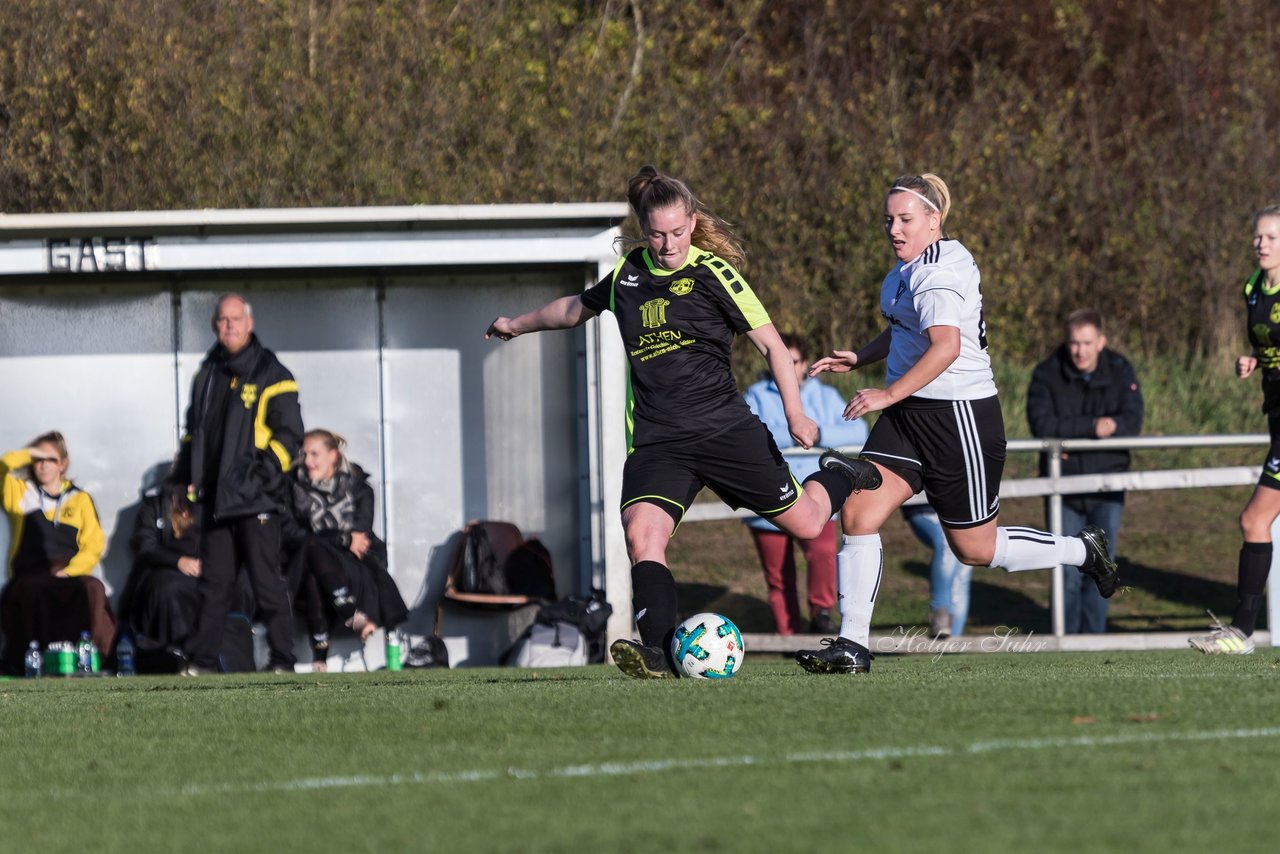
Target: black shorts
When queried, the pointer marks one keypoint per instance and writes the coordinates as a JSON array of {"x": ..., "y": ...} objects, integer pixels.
[
  {"x": 952, "y": 449},
  {"x": 1270, "y": 476},
  {"x": 742, "y": 465}
]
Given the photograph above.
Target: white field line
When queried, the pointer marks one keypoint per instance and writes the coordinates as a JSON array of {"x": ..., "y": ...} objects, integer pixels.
[{"x": 658, "y": 766}]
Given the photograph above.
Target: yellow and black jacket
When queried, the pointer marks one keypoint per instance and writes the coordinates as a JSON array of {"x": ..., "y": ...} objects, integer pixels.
[
  {"x": 49, "y": 530},
  {"x": 244, "y": 431}
]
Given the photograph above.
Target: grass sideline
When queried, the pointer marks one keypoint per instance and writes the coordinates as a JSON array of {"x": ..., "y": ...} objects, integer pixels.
[{"x": 1045, "y": 752}]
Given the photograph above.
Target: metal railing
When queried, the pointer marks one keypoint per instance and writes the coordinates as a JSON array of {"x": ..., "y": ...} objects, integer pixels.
[{"x": 1057, "y": 485}]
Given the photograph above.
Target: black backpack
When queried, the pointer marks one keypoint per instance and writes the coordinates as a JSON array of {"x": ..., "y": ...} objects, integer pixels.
[
  {"x": 480, "y": 571},
  {"x": 528, "y": 570}
]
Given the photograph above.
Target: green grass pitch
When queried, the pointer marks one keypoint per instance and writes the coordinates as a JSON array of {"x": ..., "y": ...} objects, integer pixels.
[{"x": 1047, "y": 752}]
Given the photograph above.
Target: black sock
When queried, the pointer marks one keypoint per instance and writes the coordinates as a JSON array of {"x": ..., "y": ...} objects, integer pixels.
[
  {"x": 653, "y": 596},
  {"x": 1255, "y": 564},
  {"x": 839, "y": 486}
]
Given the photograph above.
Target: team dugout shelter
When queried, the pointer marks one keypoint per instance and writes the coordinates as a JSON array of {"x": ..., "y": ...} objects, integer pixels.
[{"x": 380, "y": 313}]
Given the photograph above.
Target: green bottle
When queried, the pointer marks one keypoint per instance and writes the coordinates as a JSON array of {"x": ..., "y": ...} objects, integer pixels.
[{"x": 393, "y": 650}]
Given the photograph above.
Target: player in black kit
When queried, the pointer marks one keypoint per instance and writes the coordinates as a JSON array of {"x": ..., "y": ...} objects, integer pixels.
[
  {"x": 1262, "y": 304},
  {"x": 679, "y": 300}
]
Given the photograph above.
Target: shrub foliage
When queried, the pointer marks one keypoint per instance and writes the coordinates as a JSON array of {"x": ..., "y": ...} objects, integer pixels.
[{"x": 1101, "y": 152}]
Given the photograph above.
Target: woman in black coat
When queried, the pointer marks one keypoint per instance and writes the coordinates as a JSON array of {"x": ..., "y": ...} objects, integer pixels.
[
  {"x": 161, "y": 599},
  {"x": 337, "y": 566}
]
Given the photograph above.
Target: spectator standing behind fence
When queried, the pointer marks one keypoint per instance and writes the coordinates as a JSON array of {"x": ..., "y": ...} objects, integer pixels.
[
  {"x": 1262, "y": 314},
  {"x": 243, "y": 432},
  {"x": 1086, "y": 391},
  {"x": 56, "y": 542},
  {"x": 826, "y": 407}
]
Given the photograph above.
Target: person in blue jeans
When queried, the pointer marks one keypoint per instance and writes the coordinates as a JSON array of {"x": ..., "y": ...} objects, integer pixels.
[
  {"x": 825, "y": 406},
  {"x": 949, "y": 579},
  {"x": 1086, "y": 391}
]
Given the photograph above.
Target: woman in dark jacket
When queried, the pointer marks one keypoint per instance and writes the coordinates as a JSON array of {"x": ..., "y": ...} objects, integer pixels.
[
  {"x": 161, "y": 599},
  {"x": 337, "y": 566}
]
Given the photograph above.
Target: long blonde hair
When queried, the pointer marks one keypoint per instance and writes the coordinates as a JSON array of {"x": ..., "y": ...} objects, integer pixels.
[
  {"x": 650, "y": 190},
  {"x": 931, "y": 188},
  {"x": 331, "y": 440}
]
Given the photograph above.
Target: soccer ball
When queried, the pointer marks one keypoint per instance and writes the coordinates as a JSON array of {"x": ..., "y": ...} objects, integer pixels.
[{"x": 708, "y": 646}]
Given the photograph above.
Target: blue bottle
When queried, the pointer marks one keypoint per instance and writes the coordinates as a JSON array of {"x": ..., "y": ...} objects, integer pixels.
[
  {"x": 124, "y": 657},
  {"x": 84, "y": 654},
  {"x": 32, "y": 660}
]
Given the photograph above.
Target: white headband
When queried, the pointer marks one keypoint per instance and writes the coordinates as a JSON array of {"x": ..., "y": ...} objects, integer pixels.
[{"x": 896, "y": 189}]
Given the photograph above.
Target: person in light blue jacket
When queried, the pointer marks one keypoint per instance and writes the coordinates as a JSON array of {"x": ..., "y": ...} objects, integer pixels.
[{"x": 825, "y": 406}]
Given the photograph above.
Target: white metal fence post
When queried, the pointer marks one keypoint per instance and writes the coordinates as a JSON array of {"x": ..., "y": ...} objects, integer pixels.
[{"x": 1057, "y": 618}]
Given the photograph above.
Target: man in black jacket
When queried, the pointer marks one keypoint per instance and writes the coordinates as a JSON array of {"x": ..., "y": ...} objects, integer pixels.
[
  {"x": 1085, "y": 391},
  {"x": 243, "y": 433}
]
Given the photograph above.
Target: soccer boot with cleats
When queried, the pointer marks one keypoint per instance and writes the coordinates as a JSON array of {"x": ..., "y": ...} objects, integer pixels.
[
  {"x": 639, "y": 661},
  {"x": 862, "y": 473},
  {"x": 840, "y": 656},
  {"x": 1223, "y": 640},
  {"x": 1098, "y": 564}
]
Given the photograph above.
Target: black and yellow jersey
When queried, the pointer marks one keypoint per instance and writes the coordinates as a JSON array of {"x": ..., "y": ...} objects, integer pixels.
[
  {"x": 677, "y": 326},
  {"x": 49, "y": 529},
  {"x": 1263, "y": 306}
]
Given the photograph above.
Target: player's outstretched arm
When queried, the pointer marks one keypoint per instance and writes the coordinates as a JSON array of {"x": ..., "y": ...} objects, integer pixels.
[
  {"x": 563, "y": 313},
  {"x": 843, "y": 361}
]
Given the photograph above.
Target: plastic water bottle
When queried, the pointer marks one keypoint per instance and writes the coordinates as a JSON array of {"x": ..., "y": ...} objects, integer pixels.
[
  {"x": 32, "y": 660},
  {"x": 393, "y": 649},
  {"x": 124, "y": 657},
  {"x": 84, "y": 654}
]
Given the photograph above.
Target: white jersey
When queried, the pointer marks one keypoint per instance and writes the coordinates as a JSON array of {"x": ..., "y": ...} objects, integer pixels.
[{"x": 942, "y": 287}]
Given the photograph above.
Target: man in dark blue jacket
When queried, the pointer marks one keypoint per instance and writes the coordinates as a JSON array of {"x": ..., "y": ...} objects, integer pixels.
[
  {"x": 244, "y": 430},
  {"x": 1085, "y": 391}
]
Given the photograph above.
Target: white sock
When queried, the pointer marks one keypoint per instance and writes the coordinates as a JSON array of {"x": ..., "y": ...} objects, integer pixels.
[
  {"x": 859, "y": 566},
  {"x": 1020, "y": 549}
]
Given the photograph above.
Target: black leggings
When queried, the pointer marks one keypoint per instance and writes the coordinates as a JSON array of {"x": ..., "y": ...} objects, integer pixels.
[{"x": 324, "y": 584}]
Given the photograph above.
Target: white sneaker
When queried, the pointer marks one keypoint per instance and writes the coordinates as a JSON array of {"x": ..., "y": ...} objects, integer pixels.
[{"x": 1223, "y": 640}]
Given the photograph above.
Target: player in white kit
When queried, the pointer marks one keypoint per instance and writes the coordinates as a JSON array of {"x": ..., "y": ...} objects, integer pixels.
[{"x": 941, "y": 430}]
